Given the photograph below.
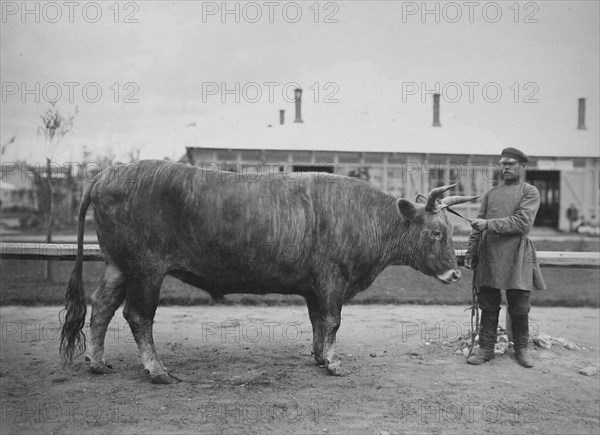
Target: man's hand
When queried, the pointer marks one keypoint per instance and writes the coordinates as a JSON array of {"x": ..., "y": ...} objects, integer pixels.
[
  {"x": 470, "y": 261},
  {"x": 479, "y": 224}
]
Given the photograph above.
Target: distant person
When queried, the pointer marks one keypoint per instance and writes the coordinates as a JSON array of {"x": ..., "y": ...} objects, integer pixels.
[
  {"x": 361, "y": 173},
  {"x": 503, "y": 257},
  {"x": 573, "y": 216}
]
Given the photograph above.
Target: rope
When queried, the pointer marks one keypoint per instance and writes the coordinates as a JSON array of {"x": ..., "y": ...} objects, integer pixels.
[
  {"x": 474, "y": 305},
  {"x": 458, "y": 214},
  {"x": 474, "y": 314}
]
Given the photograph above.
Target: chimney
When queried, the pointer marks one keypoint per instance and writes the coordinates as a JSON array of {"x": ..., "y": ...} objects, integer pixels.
[
  {"x": 581, "y": 115},
  {"x": 436, "y": 110},
  {"x": 281, "y": 117},
  {"x": 298, "y": 96}
]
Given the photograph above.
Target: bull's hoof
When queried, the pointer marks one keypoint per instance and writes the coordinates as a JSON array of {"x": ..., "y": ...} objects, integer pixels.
[
  {"x": 165, "y": 379},
  {"x": 336, "y": 369},
  {"x": 88, "y": 359},
  {"x": 102, "y": 369}
]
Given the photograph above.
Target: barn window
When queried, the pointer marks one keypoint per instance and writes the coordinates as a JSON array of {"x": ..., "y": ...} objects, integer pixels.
[{"x": 313, "y": 168}]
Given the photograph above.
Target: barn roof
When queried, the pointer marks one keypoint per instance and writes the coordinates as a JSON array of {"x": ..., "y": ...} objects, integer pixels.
[
  {"x": 386, "y": 124},
  {"x": 399, "y": 139}
]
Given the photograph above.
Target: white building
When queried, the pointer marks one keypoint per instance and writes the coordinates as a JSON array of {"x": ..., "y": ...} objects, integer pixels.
[{"x": 404, "y": 158}]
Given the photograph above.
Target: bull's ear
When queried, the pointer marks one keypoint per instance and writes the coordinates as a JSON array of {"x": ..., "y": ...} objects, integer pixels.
[
  {"x": 421, "y": 199},
  {"x": 407, "y": 209}
]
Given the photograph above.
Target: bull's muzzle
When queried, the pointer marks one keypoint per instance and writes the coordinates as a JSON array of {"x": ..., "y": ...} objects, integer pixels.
[{"x": 450, "y": 276}]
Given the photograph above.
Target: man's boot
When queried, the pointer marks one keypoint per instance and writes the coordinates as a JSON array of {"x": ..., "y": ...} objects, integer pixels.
[
  {"x": 487, "y": 338},
  {"x": 520, "y": 327}
]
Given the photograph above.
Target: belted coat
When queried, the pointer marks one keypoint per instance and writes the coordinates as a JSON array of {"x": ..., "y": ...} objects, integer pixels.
[{"x": 503, "y": 255}]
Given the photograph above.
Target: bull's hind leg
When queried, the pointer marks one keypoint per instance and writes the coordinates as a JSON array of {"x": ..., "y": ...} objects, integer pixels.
[
  {"x": 106, "y": 299},
  {"x": 142, "y": 300}
]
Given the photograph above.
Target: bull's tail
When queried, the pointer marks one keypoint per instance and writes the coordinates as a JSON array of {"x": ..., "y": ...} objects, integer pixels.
[{"x": 72, "y": 338}]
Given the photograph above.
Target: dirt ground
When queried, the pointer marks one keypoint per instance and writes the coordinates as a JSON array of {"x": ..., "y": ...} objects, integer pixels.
[{"x": 249, "y": 370}]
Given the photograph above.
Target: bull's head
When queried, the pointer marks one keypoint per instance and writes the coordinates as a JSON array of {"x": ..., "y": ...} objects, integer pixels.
[{"x": 430, "y": 247}]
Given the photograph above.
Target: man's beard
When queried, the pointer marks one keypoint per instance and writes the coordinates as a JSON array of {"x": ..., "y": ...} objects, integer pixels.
[{"x": 511, "y": 179}]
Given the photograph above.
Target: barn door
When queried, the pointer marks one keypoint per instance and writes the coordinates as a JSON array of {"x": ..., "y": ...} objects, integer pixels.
[{"x": 548, "y": 184}]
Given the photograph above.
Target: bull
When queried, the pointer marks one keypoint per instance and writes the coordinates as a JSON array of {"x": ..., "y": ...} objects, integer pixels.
[{"x": 325, "y": 238}]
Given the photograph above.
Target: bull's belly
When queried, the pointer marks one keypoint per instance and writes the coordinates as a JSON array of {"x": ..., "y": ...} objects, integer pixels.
[{"x": 220, "y": 285}]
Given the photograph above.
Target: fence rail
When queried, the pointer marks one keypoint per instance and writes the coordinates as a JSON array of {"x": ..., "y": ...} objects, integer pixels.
[{"x": 91, "y": 252}]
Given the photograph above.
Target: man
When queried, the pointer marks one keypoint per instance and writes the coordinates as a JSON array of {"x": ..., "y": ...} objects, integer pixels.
[
  {"x": 573, "y": 216},
  {"x": 504, "y": 258}
]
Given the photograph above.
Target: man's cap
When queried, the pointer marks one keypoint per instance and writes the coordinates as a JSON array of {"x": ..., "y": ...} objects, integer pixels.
[{"x": 512, "y": 154}]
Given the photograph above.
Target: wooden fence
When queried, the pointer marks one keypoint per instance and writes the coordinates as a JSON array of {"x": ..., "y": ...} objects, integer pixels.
[{"x": 91, "y": 252}]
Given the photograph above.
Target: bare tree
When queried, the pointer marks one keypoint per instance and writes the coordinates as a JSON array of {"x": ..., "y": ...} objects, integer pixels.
[
  {"x": 134, "y": 154},
  {"x": 54, "y": 127},
  {"x": 5, "y": 145}
]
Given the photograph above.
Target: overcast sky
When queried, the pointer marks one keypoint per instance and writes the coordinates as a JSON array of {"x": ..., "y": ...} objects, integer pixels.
[{"x": 162, "y": 66}]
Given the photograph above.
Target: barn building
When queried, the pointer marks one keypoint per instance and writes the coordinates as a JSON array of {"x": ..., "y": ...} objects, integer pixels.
[{"x": 404, "y": 160}]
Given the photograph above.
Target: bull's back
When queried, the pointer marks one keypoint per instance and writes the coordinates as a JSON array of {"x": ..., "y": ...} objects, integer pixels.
[{"x": 183, "y": 217}]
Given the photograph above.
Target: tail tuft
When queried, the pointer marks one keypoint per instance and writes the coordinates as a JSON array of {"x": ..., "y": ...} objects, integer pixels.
[{"x": 72, "y": 338}]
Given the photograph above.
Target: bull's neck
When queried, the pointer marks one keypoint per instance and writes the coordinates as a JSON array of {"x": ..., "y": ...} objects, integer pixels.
[{"x": 400, "y": 240}]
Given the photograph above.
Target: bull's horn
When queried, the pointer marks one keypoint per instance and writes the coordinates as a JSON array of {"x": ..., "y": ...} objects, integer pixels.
[
  {"x": 453, "y": 200},
  {"x": 434, "y": 195}
]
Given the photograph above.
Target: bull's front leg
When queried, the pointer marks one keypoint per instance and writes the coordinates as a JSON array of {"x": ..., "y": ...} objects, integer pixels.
[
  {"x": 330, "y": 325},
  {"x": 325, "y": 310},
  {"x": 316, "y": 320},
  {"x": 325, "y": 325}
]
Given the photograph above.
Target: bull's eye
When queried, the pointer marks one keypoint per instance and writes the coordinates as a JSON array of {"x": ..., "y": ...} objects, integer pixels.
[{"x": 437, "y": 234}]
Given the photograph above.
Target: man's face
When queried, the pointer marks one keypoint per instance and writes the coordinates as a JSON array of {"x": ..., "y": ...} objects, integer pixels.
[{"x": 511, "y": 171}]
